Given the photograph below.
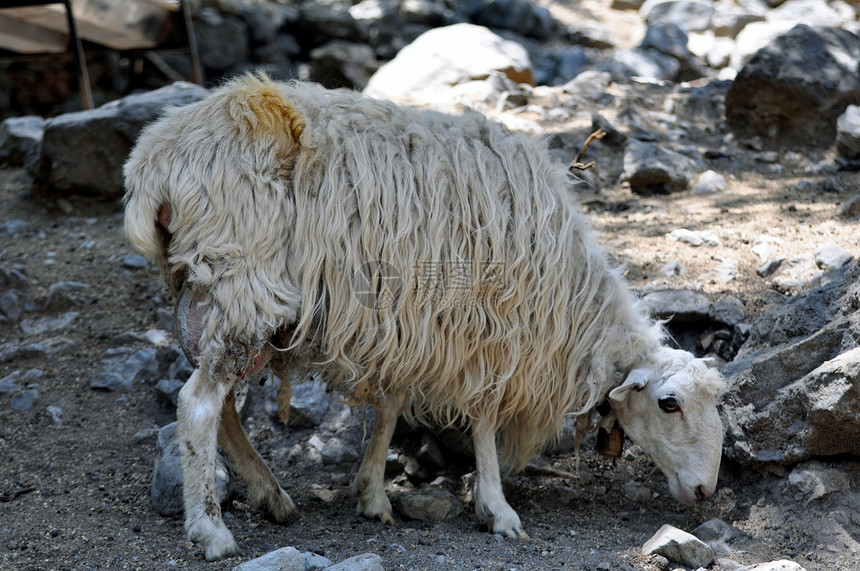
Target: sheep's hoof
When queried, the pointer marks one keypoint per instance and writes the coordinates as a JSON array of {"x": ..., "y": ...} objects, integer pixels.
[
  {"x": 507, "y": 524},
  {"x": 214, "y": 537},
  {"x": 387, "y": 518},
  {"x": 281, "y": 510},
  {"x": 514, "y": 533}
]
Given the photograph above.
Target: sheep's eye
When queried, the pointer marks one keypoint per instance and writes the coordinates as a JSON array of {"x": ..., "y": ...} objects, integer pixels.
[{"x": 669, "y": 404}]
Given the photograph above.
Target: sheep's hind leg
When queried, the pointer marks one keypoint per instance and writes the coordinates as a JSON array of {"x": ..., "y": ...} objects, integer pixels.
[
  {"x": 198, "y": 415},
  {"x": 261, "y": 483},
  {"x": 490, "y": 504},
  {"x": 369, "y": 483}
]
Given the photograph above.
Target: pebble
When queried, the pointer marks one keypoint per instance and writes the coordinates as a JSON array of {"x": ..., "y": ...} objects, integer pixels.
[
  {"x": 363, "y": 562},
  {"x": 41, "y": 325},
  {"x": 157, "y": 337},
  {"x": 814, "y": 480},
  {"x": 717, "y": 530},
  {"x": 637, "y": 492},
  {"x": 673, "y": 268},
  {"x": 694, "y": 238},
  {"x": 10, "y": 304},
  {"x": 13, "y": 227},
  {"x": 134, "y": 261},
  {"x": 26, "y": 399},
  {"x": 769, "y": 268},
  {"x": 728, "y": 310},
  {"x": 122, "y": 366},
  {"x": 709, "y": 182},
  {"x": 56, "y": 414}
]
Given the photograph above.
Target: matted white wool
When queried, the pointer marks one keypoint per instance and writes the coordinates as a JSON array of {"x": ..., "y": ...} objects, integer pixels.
[{"x": 500, "y": 303}]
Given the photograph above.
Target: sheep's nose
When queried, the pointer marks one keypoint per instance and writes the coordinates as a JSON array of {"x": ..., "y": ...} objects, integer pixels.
[{"x": 701, "y": 494}]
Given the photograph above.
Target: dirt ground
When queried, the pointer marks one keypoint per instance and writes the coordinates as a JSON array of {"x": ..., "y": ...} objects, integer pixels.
[{"x": 76, "y": 496}]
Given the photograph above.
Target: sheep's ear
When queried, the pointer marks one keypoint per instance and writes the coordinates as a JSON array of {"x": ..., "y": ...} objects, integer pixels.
[
  {"x": 709, "y": 361},
  {"x": 637, "y": 379},
  {"x": 258, "y": 105}
]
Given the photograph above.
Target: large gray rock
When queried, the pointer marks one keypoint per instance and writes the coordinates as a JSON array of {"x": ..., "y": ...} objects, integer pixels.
[
  {"x": 794, "y": 386},
  {"x": 434, "y": 62},
  {"x": 85, "y": 151},
  {"x": 791, "y": 101}
]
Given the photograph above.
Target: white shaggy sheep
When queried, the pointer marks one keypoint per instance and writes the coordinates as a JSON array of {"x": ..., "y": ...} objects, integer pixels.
[{"x": 425, "y": 262}]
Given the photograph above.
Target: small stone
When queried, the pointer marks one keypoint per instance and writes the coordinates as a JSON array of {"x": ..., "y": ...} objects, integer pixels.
[
  {"x": 728, "y": 310},
  {"x": 693, "y": 237},
  {"x": 637, "y": 492},
  {"x": 709, "y": 182},
  {"x": 10, "y": 304},
  {"x": 680, "y": 547},
  {"x": 429, "y": 505},
  {"x": 832, "y": 256},
  {"x": 45, "y": 324},
  {"x": 56, "y": 414},
  {"x": 814, "y": 480},
  {"x": 363, "y": 562},
  {"x": 336, "y": 451},
  {"x": 134, "y": 261},
  {"x": 26, "y": 399},
  {"x": 285, "y": 558},
  {"x": 848, "y": 133},
  {"x": 716, "y": 530},
  {"x": 769, "y": 268},
  {"x": 157, "y": 337},
  {"x": 673, "y": 268}
]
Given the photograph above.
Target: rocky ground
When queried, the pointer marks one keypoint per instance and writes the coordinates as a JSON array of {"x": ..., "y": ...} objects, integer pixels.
[{"x": 77, "y": 446}]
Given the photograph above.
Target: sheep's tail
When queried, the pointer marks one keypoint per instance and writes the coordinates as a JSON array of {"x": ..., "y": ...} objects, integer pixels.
[{"x": 141, "y": 225}]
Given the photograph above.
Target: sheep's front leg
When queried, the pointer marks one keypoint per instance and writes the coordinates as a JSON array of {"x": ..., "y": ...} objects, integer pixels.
[
  {"x": 369, "y": 483},
  {"x": 490, "y": 504},
  {"x": 262, "y": 485},
  {"x": 198, "y": 416}
]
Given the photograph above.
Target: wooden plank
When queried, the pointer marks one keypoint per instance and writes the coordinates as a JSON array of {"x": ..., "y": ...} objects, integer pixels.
[
  {"x": 118, "y": 24},
  {"x": 28, "y": 38}
]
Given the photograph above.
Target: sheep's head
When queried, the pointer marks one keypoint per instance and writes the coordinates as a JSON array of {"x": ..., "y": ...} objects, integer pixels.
[{"x": 670, "y": 411}]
